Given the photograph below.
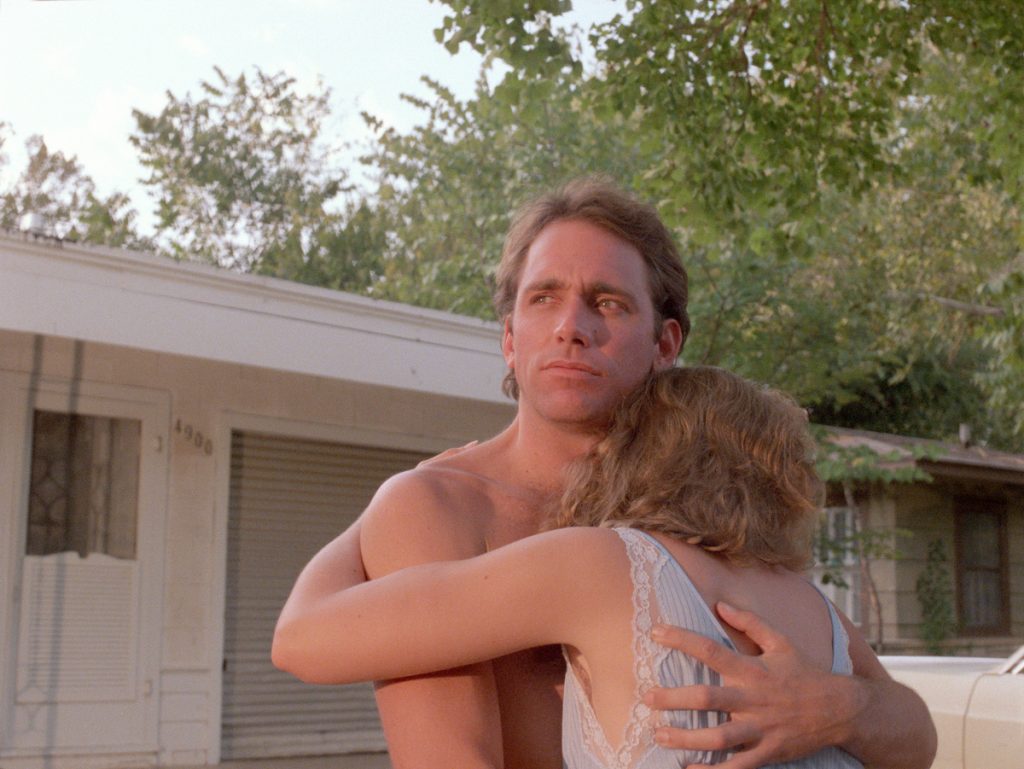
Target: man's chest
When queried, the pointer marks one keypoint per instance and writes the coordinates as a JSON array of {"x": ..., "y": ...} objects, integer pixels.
[
  {"x": 510, "y": 520},
  {"x": 529, "y": 687}
]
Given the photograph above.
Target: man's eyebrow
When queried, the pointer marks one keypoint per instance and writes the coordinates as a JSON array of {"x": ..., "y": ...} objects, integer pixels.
[{"x": 545, "y": 284}]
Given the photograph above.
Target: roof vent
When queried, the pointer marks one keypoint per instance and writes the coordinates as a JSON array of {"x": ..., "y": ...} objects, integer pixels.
[
  {"x": 34, "y": 223},
  {"x": 965, "y": 435}
]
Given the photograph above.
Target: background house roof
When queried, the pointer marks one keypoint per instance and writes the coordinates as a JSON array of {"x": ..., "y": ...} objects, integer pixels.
[
  {"x": 141, "y": 301},
  {"x": 943, "y": 458}
]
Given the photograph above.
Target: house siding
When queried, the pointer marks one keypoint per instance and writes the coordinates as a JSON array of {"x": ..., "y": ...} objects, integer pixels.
[{"x": 926, "y": 512}]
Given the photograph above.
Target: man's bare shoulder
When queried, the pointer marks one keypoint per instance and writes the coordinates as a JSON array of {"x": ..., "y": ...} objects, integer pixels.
[
  {"x": 441, "y": 510},
  {"x": 450, "y": 488}
]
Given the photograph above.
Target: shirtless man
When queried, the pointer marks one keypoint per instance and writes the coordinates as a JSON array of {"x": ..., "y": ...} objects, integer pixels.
[{"x": 592, "y": 296}]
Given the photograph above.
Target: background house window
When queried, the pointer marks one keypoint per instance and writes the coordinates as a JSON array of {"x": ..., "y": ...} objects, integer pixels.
[
  {"x": 83, "y": 492},
  {"x": 836, "y": 556},
  {"x": 981, "y": 566}
]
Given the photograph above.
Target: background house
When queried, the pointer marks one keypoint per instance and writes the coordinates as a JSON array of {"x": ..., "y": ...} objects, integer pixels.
[
  {"x": 175, "y": 443},
  {"x": 974, "y": 507}
]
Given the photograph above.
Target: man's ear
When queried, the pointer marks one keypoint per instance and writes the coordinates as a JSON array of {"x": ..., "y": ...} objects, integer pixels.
[
  {"x": 507, "y": 350},
  {"x": 669, "y": 341}
]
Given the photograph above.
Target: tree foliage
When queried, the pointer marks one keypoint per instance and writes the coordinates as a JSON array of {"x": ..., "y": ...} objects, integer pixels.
[
  {"x": 446, "y": 190},
  {"x": 844, "y": 177},
  {"x": 759, "y": 104},
  {"x": 934, "y": 589},
  {"x": 57, "y": 188},
  {"x": 241, "y": 175}
]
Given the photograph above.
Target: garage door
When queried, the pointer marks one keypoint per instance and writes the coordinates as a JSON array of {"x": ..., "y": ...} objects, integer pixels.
[{"x": 288, "y": 498}]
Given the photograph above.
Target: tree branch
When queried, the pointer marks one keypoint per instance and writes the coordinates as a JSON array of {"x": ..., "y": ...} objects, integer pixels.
[{"x": 968, "y": 308}]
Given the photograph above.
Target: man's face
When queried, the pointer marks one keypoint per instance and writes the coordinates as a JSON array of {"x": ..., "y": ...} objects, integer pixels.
[{"x": 582, "y": 332}]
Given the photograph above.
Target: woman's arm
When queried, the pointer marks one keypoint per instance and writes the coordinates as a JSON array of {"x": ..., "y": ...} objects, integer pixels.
[
  {"x": 541, "y": 590},
  {"x": 338, "y": 566}
]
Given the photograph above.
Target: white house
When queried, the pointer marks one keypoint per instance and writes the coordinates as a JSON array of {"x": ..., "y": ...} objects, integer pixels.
[{"x": 175, "y": 442}]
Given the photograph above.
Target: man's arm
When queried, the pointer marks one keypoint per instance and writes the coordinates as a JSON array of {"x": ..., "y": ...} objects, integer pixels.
[
  {"x": 339, "y": 564},
  {"x": 444, "y": 719},
  {"x": 439, "y": 720},
  {"x": 895, "y": 728},
  {"x": 781, "y": 708}
]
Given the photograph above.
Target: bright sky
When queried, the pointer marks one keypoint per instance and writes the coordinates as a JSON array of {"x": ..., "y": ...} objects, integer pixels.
[{"x": 72, "y": 70}]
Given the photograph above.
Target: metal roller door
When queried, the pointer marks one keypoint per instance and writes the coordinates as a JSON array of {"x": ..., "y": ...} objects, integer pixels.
[{"x": 288, "y": 498}]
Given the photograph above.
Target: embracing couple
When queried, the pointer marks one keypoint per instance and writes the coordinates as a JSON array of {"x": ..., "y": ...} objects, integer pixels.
[{"x": 615, "y": 579}]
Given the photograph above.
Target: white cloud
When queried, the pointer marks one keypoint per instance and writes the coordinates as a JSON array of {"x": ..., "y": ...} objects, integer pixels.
[
  {"x": 60, "y": 61},
  {"x": 193, "y": 44},
  {"x": 308, "y": 77},
  {"x": 101, "y": 143},
  {"x": 316, "y": 5},
  {"x": 268, "y": 34}
]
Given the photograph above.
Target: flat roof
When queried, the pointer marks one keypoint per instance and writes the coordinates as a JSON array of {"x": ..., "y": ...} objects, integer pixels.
[{"x": 143, "y": 301}]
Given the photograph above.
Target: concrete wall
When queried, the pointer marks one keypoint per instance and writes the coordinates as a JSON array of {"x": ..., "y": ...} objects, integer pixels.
[{"x": 213, "y": 398}]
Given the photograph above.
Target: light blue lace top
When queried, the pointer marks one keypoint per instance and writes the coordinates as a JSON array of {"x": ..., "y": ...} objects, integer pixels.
[{"x": 662, "y": 592}]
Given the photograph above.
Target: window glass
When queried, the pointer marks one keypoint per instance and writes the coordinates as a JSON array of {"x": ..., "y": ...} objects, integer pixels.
[
  {"x": 982, "y": 599},
  {"x": 981, "y": 540},
  {"x": 836, "y": 557},
  {"x": 83, "y": 491},
  {"x": 980, "y": 569}
]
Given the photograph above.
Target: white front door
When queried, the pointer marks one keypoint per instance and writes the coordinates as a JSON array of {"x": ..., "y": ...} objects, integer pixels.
[{"x": 88, "y": 509}]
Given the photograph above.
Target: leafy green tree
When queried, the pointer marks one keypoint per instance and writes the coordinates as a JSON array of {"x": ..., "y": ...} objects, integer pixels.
[
  {"x": 935, "y": 596},
  {"x": 446, "y": 190},
  {"x": 1005, "y": 372},
  {"x": 758, "y": 104},
  {"x": 242, "y": 176},
  {"x": 844, "y": 178},
  {"x": 348, "y": 255},
  {"x": 932, "y": 397},
  {"x": 56, "y": 187},
  {"x": 901, "y": 275},
  {"x": 982, "y": 98}
]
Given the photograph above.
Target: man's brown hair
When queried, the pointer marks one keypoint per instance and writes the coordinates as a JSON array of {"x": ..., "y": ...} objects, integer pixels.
[
  {"x": 706, "y": 456},
  {"x": 600, "y": 202}
]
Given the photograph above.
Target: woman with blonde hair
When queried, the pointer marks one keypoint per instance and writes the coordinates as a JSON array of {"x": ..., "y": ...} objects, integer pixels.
[{"x": 703, "y": 494}]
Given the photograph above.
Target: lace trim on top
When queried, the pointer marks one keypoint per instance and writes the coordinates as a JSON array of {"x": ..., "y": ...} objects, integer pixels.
[{"x": 645, "y": 561}]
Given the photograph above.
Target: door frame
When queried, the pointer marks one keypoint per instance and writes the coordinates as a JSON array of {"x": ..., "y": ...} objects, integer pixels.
[{"x": 21, "y": 394}]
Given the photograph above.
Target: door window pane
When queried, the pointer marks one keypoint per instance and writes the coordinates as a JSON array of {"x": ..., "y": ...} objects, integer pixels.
[{"x": 83, "y": 492}]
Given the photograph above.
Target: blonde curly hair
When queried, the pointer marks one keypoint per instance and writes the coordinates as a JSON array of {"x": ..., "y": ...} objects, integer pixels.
[{"x": 706, "y": 456}]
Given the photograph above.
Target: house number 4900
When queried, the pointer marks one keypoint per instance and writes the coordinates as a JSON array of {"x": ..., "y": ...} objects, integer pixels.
[{"x": 193, "y": 437}]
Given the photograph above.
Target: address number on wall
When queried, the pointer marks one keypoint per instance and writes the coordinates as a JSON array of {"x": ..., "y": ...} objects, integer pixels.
[{"x": 193, "y": 437}]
